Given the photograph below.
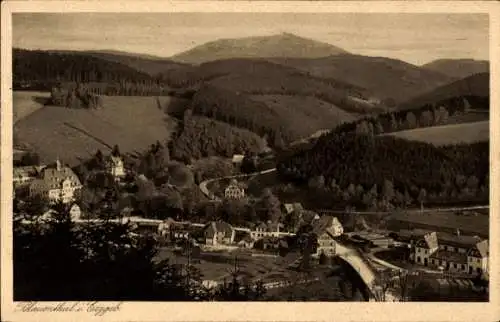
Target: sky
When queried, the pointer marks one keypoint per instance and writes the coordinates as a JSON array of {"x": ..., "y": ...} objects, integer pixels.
[{"x": 416, "y": 38}]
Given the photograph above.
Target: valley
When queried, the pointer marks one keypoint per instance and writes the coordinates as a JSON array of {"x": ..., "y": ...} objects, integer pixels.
[{"x": 282, "y": 160}]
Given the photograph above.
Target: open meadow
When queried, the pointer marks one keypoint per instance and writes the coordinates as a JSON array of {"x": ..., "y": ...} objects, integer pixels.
[
  {"x": 70, "y": 134},
  {"x": 218, "y": 266},
  {"x": 27, "y": 102},
  {"x": 448, "y": 134}
]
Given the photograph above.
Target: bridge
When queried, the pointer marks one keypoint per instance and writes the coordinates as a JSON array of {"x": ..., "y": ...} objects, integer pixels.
[
  {"x": 367, "y": 271},
  {"x": 361, "y": 266}
]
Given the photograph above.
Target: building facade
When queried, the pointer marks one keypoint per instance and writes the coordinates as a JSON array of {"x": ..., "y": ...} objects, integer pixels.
[
  {"x": 234, "y": 191},
  {"x": 23, "y": 176},
  {"x": 56, "y": 183},
  {"x": 327, "y": 228},
  {"x": 115, "y": 166},
  {"x": 219, "y": 233},
  {"x": 452, "y": 253}
]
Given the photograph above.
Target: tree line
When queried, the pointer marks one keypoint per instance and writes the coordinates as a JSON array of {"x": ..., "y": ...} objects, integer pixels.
[
  {"x": 427, "y": 115},
  {"x": 44, "y": 70}
]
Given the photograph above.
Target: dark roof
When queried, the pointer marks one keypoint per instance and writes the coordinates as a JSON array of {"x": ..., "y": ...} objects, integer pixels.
[
  {"x": 454, "y": 257},
  {"x": 478, "y": 224},
  {"x": 219, "y": 226}
]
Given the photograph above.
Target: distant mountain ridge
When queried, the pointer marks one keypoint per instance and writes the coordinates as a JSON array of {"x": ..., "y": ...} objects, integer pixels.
[
  {"x": 458, "y": 68},
  {"x": 385, "y": 77},
  {"x": 282, "y": 45}
]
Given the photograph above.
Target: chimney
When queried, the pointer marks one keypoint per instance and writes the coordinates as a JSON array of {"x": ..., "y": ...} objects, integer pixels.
[
  {"x": 58, "y": 164},
  {"x": 458, "y": 232}
]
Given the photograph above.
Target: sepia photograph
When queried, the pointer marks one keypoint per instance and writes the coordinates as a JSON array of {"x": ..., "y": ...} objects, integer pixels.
[{"x": 249, "y": 157}]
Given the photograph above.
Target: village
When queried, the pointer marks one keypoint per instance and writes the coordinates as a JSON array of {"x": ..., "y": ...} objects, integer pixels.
[{"x": 271, "y": 251}]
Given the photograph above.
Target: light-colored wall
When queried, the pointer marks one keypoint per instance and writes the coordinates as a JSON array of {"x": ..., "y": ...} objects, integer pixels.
[{"x": 475, "y": 263}]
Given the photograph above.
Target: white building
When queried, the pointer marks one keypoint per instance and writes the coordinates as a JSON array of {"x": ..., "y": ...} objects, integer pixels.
[
  {"x": 452, "y": 253},
  {"x": 327, "y": 228},
  {"x": 238, "y": 159},
  {"x": 115, "y": 166},
  {"x": 56, "y": 183},
  {"x": 267, "y": 230},
  {"x": 22, "y": 176},
  {"x": 234, "y": 191}
]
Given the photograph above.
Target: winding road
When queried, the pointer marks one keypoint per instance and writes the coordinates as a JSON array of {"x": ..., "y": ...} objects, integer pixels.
[{"x": 206, "y": 192}]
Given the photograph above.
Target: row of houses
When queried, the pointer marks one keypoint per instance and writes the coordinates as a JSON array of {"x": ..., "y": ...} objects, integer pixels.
[
  {"x": 58, "y": 182},
  {"x": 220, "y": 233},
  {"x": 449, "y": 252}
]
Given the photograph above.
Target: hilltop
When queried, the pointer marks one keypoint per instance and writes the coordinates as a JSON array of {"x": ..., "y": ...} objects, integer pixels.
[
  {"x": 282, "y": 45},
  {"x": 72, "y": 134},
  {"x": 458, "y": 68},
  {"x": 388, "y": 79}
]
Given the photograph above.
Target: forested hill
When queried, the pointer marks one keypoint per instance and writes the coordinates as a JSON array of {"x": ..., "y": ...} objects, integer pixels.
[
  {"x": 449, "y": 172},
  {"x": 477, "y": 86},
  {"x": 36, "y": 66},
  {"x": 389, "y": 79}
]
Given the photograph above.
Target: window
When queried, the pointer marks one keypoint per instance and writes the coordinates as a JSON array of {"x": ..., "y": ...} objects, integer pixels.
[
  {"x": 425, "y": 251},
  {"x": 455, "y": 265}
]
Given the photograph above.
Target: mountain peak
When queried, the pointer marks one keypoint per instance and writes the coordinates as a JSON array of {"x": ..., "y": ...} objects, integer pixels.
[{"x": 283, "y": 45}]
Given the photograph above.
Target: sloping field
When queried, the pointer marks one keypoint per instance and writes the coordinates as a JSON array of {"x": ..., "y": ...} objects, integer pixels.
[
  {"x": 306, "y": 114},
  {"x": 448, "y": 134},
  {"x": 70, "y": 134},
  {"x": 25, "y": 103}
]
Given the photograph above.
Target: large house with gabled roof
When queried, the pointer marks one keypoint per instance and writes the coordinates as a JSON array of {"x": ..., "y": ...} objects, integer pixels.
[
  {"x": 450, "y": 252},
  {"x": 219, "y": 232},
  {"x": 56, "y": 183},
  {"x": 326, "y": 228}
]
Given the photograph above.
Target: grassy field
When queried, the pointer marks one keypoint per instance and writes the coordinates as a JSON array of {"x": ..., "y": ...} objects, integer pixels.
[
  {"x": 295, "y": 109},
  {"x": 449, "y": 134},
  {"x": 70, "y": 134},
  {"x": 25, "y": 103},
  {"x": 219, "y": 265}
]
